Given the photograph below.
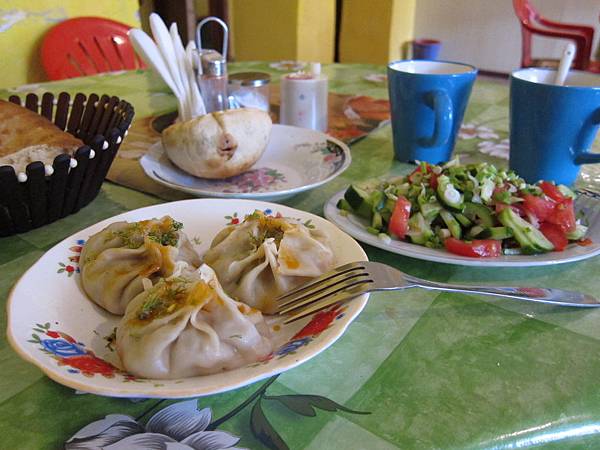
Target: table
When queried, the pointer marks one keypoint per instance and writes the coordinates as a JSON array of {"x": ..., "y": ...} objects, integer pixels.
[{"x": 431, "y": 370}]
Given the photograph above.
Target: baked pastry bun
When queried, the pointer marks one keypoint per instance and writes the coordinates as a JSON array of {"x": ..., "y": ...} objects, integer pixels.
[
  {"x": 26, "y": 137},
  {"x": 220, "y": 144}
]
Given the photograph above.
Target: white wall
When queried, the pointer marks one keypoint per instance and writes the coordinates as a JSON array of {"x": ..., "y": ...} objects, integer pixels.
[{"x": 487, "y": 34}]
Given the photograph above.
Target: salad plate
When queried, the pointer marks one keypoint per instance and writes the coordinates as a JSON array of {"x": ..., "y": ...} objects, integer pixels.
[
  {"x": 52, "y": 324},
  {"x": 357, "y": 228},
  {"x": 295, "y": 160}
]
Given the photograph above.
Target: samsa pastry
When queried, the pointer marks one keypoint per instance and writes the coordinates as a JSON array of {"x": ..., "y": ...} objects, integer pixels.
[
  {"x": 114, "y": 261},
  {"x": 186, "y": 326},
  {"x": 220, "y": 144},
  {"x": 265, "y": 256}
]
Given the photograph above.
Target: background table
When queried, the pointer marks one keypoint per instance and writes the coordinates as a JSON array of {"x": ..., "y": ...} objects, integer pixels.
[{"x": 432, "y": 370}]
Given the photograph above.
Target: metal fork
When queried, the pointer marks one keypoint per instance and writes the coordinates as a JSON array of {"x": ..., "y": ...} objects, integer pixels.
[{"x": 353, "y": 279}]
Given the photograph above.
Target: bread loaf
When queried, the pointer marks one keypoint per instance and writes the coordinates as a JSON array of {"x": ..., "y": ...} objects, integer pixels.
[
  {"x": 220, "y": 144},
  {"x": 26, "y": 137}
]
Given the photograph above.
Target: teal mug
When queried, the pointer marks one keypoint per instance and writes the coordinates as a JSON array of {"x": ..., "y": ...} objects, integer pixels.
[
  {"x": 552, "y": 127},
  {"x": 428, "y": 100}
]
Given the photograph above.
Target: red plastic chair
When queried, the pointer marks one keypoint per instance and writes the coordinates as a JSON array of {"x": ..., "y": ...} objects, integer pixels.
[
  {"x": 533, "y": 23},
  {"x": 87, "y": 46}
]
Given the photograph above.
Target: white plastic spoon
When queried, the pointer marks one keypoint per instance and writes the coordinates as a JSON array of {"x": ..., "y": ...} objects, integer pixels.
[
  {"x": 165, "y": 45},
  {"x": 565, "y": 64},
  {"x": 191, "y": 65},
  {"x": 147, "y": 49},
  {"x": 179, "y": 53}
]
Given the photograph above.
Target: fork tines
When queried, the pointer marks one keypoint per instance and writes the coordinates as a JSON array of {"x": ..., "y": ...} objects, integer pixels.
[{"x": 340, "y": 284}]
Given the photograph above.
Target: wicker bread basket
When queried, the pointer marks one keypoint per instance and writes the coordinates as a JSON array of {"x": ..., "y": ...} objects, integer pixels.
[{"x": 36, "y": 199}]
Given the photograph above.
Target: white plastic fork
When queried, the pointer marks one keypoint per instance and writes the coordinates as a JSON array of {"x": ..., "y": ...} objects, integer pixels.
[{"x": 353, "y": 279}]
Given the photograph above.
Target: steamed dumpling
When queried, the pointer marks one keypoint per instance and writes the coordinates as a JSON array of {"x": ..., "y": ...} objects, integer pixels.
[
  {"x": 114, "y": 261},
  {"x": 220, "y": 144},
  {"x": 185, "y": 326},
  {"x": 264, "y": 257}
]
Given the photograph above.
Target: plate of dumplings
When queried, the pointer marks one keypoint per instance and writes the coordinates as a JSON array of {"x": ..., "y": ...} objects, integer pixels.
[{"x": 177, "y": 300}]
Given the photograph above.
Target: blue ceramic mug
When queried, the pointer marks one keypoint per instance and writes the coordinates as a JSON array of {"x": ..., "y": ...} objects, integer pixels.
[
  {"x": 428, "y": 101},
  {"x": 552, "y": 127}
]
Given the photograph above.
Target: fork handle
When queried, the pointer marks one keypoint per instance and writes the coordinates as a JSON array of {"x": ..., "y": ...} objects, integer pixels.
[{"x": 532, "y": 294}]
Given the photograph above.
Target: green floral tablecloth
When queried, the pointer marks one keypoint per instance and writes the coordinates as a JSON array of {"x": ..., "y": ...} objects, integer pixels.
[{"x": 417, "y": 369}]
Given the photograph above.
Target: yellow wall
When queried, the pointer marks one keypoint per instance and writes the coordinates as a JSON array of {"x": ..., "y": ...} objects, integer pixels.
[
  {"x": 316, "y": 31},
  {"x": 402, "y": 28},
  {"x": 283, "y": 29},
  {"x": 374, "y": 31},
  {"x": 24, "y": 23}
]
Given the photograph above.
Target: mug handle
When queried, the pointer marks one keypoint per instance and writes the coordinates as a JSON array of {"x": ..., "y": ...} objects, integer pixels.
[
  {"x": 441, "y": 104},
  {"x": 585, "y": 140}
]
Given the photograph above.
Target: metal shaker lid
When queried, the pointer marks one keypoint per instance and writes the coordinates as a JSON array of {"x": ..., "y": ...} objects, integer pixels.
[
  {"x": 253, "y": 79},
  {"x": 213, "y": 64}
]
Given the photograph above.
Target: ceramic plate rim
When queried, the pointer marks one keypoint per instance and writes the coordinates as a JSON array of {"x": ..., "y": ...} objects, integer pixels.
[
  {"x": 423, "y": 253},
  {"x": 149, "y": 391},
  {"x": 254, "y": 195}
]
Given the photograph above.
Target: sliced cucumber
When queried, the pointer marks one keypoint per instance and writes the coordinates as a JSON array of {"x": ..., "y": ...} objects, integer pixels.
[
  {"x": 577, "y": 233},
  {"x": 479, "y": 214},
  {"x": 529, "y": 237},
  {"x": 430, "y": 210},
  {"x": 358, "y": 199},
  {"x": 462, "y": 219},
  {"x": 419, "y": 229},
  {"x": 443, "y": 233},
  {"x": 475, "y": 232},
  {"x": 344, "y": 205},
  {"x": 496, "y": 233},
  {"x": 451, "y": 223},
  {"x": 512, "y": 251},
  {"x": 448, "y": 194},
  {"x": 377, "y": 221}
]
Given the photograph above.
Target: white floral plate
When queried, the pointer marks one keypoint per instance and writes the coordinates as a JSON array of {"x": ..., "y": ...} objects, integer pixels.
[
  {"x": 295, "y": 160},
  {"x": 357, "y": 228},
  {"x": 52, "y": 324}
]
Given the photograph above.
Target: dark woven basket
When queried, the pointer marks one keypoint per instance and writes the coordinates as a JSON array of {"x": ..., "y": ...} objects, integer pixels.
[{"x": 101, "y": 123}]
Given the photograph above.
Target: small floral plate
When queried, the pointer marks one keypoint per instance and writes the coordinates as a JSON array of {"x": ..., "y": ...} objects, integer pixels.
[
  {"x": 295, "y": 160},
  {"x": 52, "y": 324}
]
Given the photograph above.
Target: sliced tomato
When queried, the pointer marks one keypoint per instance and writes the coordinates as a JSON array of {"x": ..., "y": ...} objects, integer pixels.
[
  {"x": 415, "y": 175},
  {"x": 555, "y": 235},
  {"x": 500, "y": 206},
  {"x": 398, "y": 225},
  {"x": 540, "y": 207},
  {"x": 479, "y": 248},
  {"x": 563, "y": 215},
  {"x": 552, "y": 191},
  {"x": 433, "y": 180}
]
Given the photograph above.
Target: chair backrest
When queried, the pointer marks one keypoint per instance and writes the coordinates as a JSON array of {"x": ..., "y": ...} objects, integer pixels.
[
  {"x": 87, "y": 46},
  {"x": 525, "y": 11}
]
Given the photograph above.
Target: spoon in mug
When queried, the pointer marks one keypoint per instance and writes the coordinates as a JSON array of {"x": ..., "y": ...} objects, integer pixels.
[{"x": 565, "y": 64}]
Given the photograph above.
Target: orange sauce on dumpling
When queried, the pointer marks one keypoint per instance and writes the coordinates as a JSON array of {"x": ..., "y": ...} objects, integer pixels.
[
  {"x": 170, "y": 295},
  {"x": 289, "y": 260}
]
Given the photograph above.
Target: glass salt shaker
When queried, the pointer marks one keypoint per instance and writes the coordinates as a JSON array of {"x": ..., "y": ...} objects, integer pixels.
[
  {"x": 213, "y": 81},
  {"x": 250, "y": 89}
]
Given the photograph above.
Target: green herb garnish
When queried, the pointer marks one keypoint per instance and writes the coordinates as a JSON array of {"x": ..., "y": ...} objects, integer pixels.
[{"x": 164, "y": 296}]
